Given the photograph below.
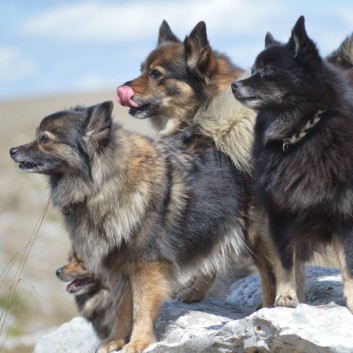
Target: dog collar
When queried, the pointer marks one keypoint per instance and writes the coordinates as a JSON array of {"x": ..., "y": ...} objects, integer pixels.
[{"x": 288, "y": 141}]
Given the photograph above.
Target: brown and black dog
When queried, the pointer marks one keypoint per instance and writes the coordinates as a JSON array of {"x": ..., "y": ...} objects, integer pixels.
[
  {"x": 177, "y": 79},
  {"x": 184, "y": 84},
  {"x": 151, "y": 211},
  {"x": 93, "y": 299}
]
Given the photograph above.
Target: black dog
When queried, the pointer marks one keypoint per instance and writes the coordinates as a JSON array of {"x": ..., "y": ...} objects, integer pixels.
[{"x": 303, "y": 155}]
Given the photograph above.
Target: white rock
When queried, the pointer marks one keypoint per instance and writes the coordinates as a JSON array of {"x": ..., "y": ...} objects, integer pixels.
[
  {"x": 76, "y": 336},
  {"x": 217, "y": 326}
]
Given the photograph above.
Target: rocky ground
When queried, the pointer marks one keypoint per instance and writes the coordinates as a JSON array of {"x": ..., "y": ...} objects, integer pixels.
[{"x": 323, "y": 325}]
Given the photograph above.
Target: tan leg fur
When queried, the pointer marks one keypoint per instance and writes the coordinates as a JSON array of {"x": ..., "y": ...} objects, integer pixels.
[{"x": 347, "y": 279}]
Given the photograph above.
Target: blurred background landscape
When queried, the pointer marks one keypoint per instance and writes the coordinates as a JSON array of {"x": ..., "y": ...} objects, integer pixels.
[{"x": 57, "y": 54}]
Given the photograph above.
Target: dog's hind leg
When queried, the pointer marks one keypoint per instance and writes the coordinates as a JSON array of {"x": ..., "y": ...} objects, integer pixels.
[
  {"x": 150, "y": 286},
  {"x": 263, "y": 251},
  {"x": 300, "y": 279},
  {"x": 268, "y": 283},
  {"x": 196, "y": 288},
  {"x": 123, "y": 320},
  {"x": 343, "y": 244}
]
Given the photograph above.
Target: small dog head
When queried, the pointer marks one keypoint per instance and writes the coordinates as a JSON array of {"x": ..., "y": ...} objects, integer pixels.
[
  {"x": 75, "y": 272},
  {"x": 66, "y": 141},
  {"x": 173, "y": 76},
  {"x": 284, "y": 75}
]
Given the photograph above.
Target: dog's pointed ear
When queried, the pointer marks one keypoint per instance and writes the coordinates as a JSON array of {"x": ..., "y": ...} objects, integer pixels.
[
  {"x": 270, "y": 40},
  {"x": 303, "y": 48},
  {"x": 99, "y": 120},
  {"x": 198, "y": 52},
  {"x": 166, "y": 34},
  {"x": 343, "y": 55}
]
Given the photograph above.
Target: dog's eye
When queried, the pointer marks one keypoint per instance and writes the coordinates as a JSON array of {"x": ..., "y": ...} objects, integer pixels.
[
  {"x": 44, "y": 139},
  {"x": 266, "y": 70},
  {"x": 155, "y": 74}
]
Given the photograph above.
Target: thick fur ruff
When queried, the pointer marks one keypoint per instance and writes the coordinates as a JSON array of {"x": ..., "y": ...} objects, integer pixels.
[
  {"x": 231, "y": 125},
  {"x": 306, "y": 190}
]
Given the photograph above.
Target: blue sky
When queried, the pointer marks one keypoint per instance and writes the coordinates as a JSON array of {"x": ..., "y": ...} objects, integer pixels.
[{"x": 59, "y": 46}]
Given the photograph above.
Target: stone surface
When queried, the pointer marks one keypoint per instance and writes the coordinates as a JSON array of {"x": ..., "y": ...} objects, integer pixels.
[
  {"x": 322, "y": 286},
  {"x": 232, "y": 326}
]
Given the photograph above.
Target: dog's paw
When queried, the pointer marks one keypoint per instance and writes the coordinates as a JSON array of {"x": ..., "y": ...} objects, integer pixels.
[
  {"x": 135, "y": 347},
  {"x": 289, "y": 300},
  {"x": 260, "y": 306},
  {"x": 109, "y": 345},
  {"x": 190, "y": 296}
]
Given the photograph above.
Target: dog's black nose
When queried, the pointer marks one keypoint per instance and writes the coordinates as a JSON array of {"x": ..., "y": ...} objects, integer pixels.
[
  {"x": 234, "y": 86},
  {"x": 13, "y": 151},
  {"x": 59, "y": 271}
]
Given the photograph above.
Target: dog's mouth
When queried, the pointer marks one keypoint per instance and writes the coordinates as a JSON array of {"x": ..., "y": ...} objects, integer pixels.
[
  {"x": 246, "y": 98},
  {"x": 26, "y": 161},
  {"x": 126, "y": 97},
  {"x": 28, "y": 166},
  {"x": 243, "y": 94},
  {"x": 140, "y": 112},
  {"x": 250, "y": 98},
  {"x": 79, "y": 284},
  {"x": 252, "y": 102}
]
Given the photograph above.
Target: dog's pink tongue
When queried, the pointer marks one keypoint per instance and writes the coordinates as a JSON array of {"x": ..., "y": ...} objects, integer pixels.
[
  {"x": 70, "y": 288},
  {"x": 124, "y": 97}
]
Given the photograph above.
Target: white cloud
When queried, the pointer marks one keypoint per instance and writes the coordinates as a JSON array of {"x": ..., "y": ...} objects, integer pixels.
[
  {"x": 96, "y": 21},
  {"x": 14, "y": 65}
]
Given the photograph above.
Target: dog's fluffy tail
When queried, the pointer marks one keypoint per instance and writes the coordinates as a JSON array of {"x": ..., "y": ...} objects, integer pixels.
[
  {"x": 230, "y": 124},
  {"x": 343, "y": 55}
]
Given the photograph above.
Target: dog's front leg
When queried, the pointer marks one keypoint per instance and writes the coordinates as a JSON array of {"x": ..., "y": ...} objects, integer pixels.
[
  {"x": 264, "y": 251},
  {"x": 123, "y": 320},
  {"x": 267, "y": 282},
  {"x": 150, "y": 286},
  {"x": 343, "y": 244},
  {"x": 286, "y": 288},
  {"x": 300, "y": 278}
]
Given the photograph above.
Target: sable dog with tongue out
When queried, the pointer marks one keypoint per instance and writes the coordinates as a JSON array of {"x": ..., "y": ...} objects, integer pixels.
[
  {"x": 186, "y": 85},
  {"x": 177, "y": 79}
]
